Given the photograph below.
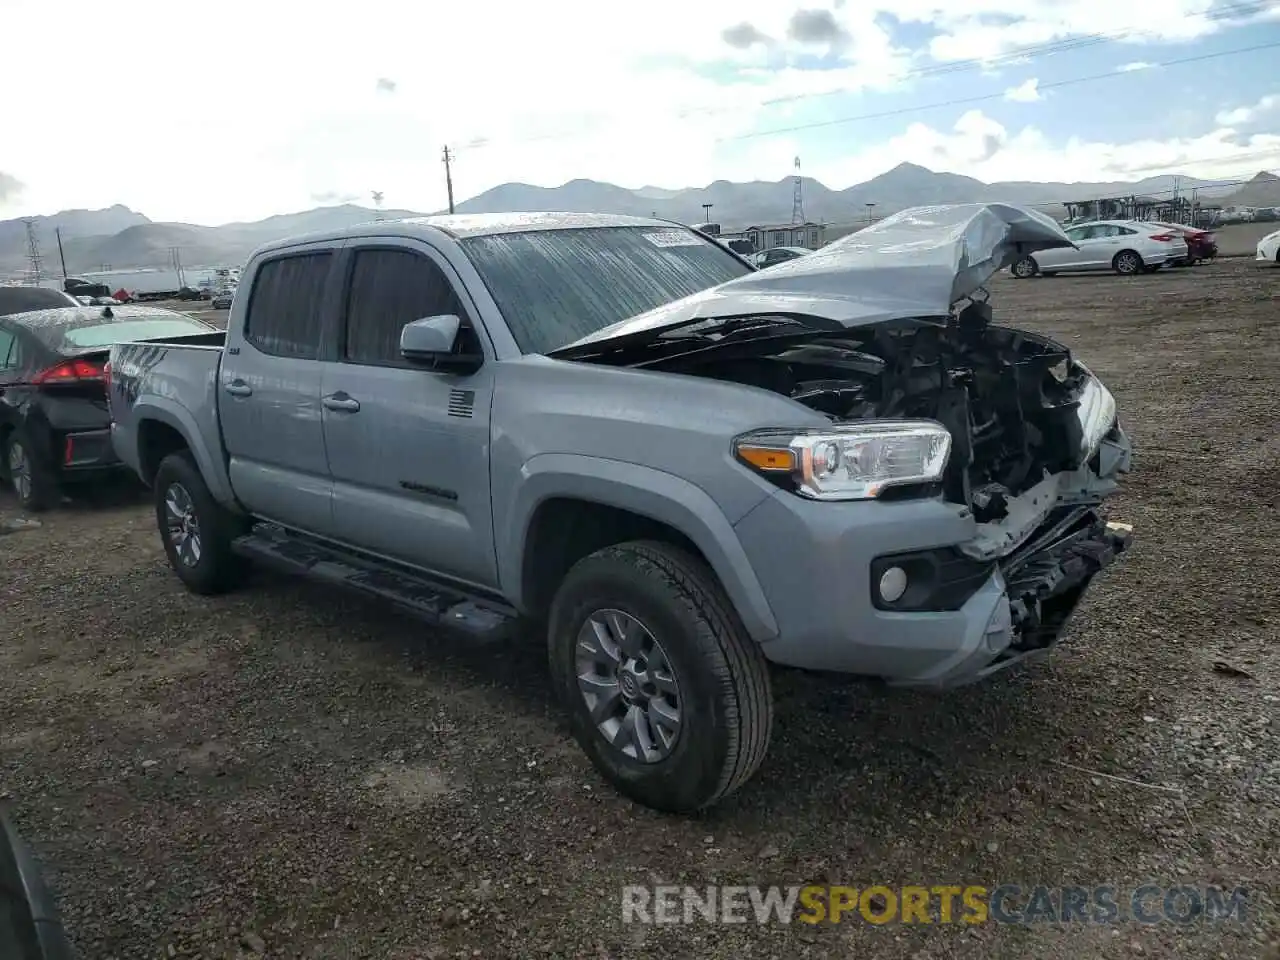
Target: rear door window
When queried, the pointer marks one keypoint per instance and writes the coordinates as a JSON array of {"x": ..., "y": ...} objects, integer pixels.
[
  {"x": 390, "y": 288},
  {"x": 286, "y": 305}
]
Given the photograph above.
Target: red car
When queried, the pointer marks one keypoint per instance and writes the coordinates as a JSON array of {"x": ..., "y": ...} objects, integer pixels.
[{"x": 1201, "y": 244}]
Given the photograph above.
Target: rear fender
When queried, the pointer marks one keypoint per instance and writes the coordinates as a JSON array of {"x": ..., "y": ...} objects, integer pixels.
[{"x": 209, "y": 460}]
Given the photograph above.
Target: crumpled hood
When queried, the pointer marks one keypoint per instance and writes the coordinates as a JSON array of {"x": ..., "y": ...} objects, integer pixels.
[{"x": 916, "y": 263}]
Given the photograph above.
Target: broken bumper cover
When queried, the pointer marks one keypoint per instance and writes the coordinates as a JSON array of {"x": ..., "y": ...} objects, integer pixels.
[{"x": 1015, "y": 608}]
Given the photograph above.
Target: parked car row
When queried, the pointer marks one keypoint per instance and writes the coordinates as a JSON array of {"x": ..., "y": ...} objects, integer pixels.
[{"x": 1128, "y": 247}]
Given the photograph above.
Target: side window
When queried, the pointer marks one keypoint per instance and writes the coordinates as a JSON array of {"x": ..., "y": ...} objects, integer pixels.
[
  {"x": 390, "y": 288},
  {"x": 285, "y": 305},
  {"x": 1123, "y": 231},
  {"x": 1076, "y": 234}
]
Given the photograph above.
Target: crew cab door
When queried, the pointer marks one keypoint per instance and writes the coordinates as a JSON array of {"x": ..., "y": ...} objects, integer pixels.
[
  {"x": 408, "y": 446},
  {"x": 269, "y": 388}
]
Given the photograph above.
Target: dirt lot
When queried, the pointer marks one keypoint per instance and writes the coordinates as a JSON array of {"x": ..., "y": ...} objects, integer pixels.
[{"x": 302, "y": 774}]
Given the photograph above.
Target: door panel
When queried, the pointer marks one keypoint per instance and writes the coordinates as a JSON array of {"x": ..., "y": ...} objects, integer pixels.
[
  {"x": 411, "y": 478},
  {"x": 408, "y": 447},
  {"x": 269, "y": 394}
]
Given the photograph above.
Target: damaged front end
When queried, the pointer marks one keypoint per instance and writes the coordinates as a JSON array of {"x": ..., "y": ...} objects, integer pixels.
[{"x": 889, "y": 336}]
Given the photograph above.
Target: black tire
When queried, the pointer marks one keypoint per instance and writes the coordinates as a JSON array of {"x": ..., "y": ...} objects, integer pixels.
[
  {"x": 216, "y": 569},
  {"x": 38, "y": 490},
  {"x": 725, "y": 699},
  {"x": 1024, "y": 268},
  {"x": 1128, "y": 263}
]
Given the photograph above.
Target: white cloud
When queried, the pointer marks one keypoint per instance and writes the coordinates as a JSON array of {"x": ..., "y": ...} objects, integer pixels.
[
  {"x": 1135, "y": 66},
  {"x": 302, "y": 105},
  {"x": 981, "y": 147},
  {"x": 1025, "y": 92},
  {"x": 1239, "y": 116},
  {"x": 971, "y": 31}
]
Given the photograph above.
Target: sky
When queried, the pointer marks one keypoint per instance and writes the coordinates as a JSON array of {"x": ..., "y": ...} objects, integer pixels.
[{"x": 215, "y": 111}]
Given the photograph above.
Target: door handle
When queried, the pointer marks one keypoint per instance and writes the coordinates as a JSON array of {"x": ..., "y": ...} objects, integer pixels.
[
  {"x": 341, "y": 402},
  {"x": 238, "y": 388}
]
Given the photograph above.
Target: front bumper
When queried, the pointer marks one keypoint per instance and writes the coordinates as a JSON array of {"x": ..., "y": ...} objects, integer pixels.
[{"x": 822, "y": 594}]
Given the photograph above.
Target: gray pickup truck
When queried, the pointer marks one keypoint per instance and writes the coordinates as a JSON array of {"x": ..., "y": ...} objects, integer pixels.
[{"x": 686, "y": 469}]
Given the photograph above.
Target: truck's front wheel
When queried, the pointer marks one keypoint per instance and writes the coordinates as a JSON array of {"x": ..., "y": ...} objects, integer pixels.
[
  {"x": 195, "y": 530},
  {"x": 666, "y": 692}
]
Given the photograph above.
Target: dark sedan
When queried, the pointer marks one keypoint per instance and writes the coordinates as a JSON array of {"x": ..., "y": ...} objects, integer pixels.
[
  {"x": 22, "y": 299},
  {"x": 55, "y": 429}
]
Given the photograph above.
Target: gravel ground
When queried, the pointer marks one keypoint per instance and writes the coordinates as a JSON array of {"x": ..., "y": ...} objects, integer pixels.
[{"x": 290, "y": 772}]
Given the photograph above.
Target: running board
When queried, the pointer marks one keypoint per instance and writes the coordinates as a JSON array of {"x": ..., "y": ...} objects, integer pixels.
[{"x": 446, "y": 606}]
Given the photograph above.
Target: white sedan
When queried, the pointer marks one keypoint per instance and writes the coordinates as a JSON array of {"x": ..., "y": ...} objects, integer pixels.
[
  {"x": 1269, "y": 247},
  {"x": 1126, "y": 246}
]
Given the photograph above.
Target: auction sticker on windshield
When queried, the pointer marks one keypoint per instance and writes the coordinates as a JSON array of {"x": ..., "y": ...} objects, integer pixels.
[{"x": 672, "y": 238}]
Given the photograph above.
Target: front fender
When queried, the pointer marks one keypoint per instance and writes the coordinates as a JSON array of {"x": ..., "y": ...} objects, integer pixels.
[
  {"x": 204, "y": 443},
  {"x": 652, "y": 493}
]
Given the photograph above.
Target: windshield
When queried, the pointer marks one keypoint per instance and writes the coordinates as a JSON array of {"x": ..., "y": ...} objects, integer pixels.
[{"x": 557, "y": 286}]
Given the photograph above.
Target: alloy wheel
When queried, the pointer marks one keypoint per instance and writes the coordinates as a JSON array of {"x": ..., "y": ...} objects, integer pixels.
[
  {"x": 628, "y": 685},
  {"x": 19, "y": 470},
  {"x": 182, "y": 525}
]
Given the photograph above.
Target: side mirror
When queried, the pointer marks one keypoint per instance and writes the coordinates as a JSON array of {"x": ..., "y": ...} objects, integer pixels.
[{"x": 439, "y": 343}]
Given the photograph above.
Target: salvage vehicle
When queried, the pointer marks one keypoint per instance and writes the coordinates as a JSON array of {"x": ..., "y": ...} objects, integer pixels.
[
  {"x": 1201, "y": 244},
  {"x": 1129, "y": 247},
  {"x": 686, "y": 469},
  {"x": 55, "y": 429}
]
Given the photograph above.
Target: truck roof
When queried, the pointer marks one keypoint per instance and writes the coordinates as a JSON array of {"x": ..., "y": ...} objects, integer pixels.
[{"x": 462, "y": 225}]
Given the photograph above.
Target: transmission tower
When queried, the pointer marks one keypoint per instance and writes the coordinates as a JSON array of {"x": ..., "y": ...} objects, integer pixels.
[
  {"x": 35, "y": 263},
  {"x": 377, "y": 204},
  {"x": 797, "y": 197}
]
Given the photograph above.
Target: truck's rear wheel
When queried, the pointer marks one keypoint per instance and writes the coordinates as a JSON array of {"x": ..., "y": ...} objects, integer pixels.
[
  {"x": 667, "y": 694},
  {"x": 195, "y": 530}
]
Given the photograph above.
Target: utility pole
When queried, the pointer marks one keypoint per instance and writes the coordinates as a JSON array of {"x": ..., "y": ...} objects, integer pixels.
[
  {"x": 448, "y": 176},
  {"x": 57, "y": 232},
  {"x": 175, "y": 257},
  {"x": 34, "y": 260}
]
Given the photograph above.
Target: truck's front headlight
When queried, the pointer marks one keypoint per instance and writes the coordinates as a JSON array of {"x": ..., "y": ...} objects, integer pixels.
[
  {"x": 851, "y": 462},
  {"x": 1097, "y": 414}
]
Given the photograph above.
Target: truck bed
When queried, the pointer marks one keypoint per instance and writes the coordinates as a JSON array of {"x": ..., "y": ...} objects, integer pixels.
[{"x": 173, "y": 382}]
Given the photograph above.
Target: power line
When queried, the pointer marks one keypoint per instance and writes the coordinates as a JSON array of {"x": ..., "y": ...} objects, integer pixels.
[
  {"x": 1014, "y": 56},
  {"x": 987, "y": 97},
  {"x": 1232, "y": 11}
]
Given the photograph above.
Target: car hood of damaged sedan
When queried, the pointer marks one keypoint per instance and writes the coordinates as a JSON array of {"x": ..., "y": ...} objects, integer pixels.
[{"x": 916, "y": 263}]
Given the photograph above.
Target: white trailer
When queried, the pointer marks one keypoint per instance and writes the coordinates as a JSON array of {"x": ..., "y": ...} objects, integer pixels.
[{"x": 155, "y": 284}]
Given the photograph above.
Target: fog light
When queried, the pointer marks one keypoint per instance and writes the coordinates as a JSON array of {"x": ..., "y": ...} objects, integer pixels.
[{"x": 893, "y": 584}]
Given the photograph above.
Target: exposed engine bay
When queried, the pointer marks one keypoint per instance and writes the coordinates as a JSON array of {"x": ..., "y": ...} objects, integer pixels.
[{"x": 1008, "y": 398}]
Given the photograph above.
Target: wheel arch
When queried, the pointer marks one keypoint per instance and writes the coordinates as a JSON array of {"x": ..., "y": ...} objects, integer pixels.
[{"x": 569, "y": 506}]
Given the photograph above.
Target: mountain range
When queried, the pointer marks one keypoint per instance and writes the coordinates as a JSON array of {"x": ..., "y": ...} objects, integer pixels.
[{"x": 119, "y": 237}]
